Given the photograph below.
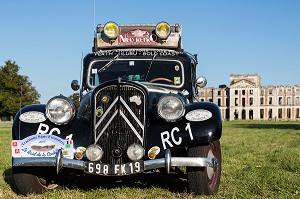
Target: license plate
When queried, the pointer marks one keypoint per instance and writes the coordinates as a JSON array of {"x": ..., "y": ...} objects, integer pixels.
[{"x": 114, "y": 169}]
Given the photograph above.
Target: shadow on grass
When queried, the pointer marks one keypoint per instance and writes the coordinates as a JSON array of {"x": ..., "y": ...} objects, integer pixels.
[
  {"x": 173, "y": 182},
  {"x": 8, "y": 178},
  {"x": 274, "y": 125}
]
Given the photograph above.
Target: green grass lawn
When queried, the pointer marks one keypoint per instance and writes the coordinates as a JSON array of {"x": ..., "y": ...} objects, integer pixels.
[{"x": 259, "y": 160}]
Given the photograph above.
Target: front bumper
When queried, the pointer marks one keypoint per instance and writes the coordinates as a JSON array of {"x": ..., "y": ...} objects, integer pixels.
[{"x": 59, "y": 162}]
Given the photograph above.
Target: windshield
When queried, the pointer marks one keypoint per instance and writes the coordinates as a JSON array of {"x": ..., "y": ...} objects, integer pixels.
[{"x": 155, "y": 71}]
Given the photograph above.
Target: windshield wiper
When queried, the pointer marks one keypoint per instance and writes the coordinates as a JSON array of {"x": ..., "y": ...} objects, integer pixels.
[
  {"x": 108, "y": 64},
  {"x": 150, "y": 66}
]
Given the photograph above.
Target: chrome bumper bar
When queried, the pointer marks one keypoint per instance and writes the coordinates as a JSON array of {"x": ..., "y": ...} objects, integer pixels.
[{"x": 167, "y": 162}]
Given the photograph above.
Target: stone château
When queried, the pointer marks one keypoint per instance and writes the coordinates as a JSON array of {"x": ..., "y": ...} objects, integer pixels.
[{"x": 246, "y": 99}]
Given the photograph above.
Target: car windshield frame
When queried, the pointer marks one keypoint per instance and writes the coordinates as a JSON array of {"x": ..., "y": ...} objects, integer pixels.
[{"x": 149, "y": 66}]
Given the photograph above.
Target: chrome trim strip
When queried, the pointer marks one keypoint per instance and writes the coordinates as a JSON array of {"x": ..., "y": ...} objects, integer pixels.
[
  {"x": 126, "y": 59},
  {"x": 193, "y": 162},
  {"x": 106, "y": 112},
  {"x": 106, "y": 125},
  {"x": 181, "y": 161},
  {"x": 50, "y": 161},
  {"x": 132, "y": 114},
  {"x": 131, "y": 126},
  {"x": 24, "y": 162},
  {"x": 148, "y": 164}
]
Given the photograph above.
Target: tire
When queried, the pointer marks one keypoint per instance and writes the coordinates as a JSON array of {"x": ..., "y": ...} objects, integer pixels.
[
  {"x": 204, "y": 180},
  {"x": 28, "y": 183}
]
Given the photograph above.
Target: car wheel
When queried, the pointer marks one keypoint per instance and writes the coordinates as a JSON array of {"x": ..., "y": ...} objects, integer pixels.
[
  {"x": 31, "y": 184},
  {"x": 205, "y": 180}
]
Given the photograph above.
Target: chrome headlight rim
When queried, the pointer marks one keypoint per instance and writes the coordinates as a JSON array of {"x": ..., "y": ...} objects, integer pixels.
[
  {"x": 163, "y": 99},
  {"x": 68, "y": 102}
]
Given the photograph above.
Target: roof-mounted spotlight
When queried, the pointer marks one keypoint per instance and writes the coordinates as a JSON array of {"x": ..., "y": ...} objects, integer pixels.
[
  {"x": 163, "y": 30},
  {"x": 111, "y": 30}
]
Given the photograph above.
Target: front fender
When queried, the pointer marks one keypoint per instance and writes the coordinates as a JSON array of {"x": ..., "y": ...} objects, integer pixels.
[
  {"x": 21, "y": 130},
  {"x": 187, "y": 132},
  {"x": 205, "y": 129},
  {"x": 78, "y": 130}
]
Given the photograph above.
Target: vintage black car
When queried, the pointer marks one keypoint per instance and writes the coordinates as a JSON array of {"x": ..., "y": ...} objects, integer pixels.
[{"x": 138, "y": 113}]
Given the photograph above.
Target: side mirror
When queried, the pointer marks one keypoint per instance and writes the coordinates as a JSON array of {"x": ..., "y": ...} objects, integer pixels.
[
  {"x": 75, "y": 85},
  {"x": 201, "y": 82}
]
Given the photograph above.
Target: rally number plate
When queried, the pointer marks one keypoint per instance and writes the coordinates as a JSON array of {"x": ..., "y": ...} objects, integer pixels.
[{"x": 114, "y": 169}]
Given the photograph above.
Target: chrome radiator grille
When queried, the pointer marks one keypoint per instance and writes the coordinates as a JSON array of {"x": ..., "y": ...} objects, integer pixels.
[{"x": 119, "y": 120}]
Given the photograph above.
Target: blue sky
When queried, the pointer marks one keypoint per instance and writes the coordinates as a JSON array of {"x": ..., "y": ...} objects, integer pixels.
[{"x": 47, "y": 38}]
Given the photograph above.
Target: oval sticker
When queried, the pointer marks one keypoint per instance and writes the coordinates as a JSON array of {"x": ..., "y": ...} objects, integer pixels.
[
  {"x": 32, "y": 117},
  {"x": 198, "y": 115},
  {"x": 42, "y": 145}
]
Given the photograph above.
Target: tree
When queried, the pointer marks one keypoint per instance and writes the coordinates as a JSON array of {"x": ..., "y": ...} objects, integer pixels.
[
  {"x": 75, "y": 98},
  {"x": 12, "y": 87}
]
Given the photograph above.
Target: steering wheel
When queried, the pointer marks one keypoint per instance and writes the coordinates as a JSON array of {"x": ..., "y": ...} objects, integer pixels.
[{"x": 161, "y": 79}]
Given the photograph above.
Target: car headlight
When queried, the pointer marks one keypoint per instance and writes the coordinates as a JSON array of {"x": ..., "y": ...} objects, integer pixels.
[
  {"x": 94, "y": 153},
  {"x": 135, "y": 152},
  {"x": 171, "y": 107},
  {"x": 163, "y": 30},
  {"x": 111, "y": 30},
  {"x": 60, "y": 110}
]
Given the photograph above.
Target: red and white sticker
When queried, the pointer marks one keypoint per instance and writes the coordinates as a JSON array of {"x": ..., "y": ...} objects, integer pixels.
[{"x": 137, "y": 37}]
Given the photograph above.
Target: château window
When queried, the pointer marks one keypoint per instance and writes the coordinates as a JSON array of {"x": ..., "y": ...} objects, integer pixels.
[
  {"x": 261, "y": 101},
  {"x": 280, "y": 113},
  {"x": 297, "y": 101},
  {"x": 261, "y": 113},
  {"x": 219, "y": 102},
  {"x": 288, "y": 113},
  {"x": 270, "y": 113},
  {"x": 270, "y": 92},
  {"x": 280, "y": 100},
  {"x": 289, "y": 102},
  {"x": 270, "y": 100}
]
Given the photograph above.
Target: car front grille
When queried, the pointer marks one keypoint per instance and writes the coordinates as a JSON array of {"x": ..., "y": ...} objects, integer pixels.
[{"x": 119, "y": 120}]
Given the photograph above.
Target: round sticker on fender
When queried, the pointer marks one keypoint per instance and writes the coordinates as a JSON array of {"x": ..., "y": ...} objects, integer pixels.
[
  {"x": 32, "y": 117},
  {"x": 198, "y": 115}
]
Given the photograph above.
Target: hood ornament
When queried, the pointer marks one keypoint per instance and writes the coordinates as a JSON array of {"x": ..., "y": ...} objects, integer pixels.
[
  {"x": 119, "y": 79},
  {"x": 136, "y": 99}
]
